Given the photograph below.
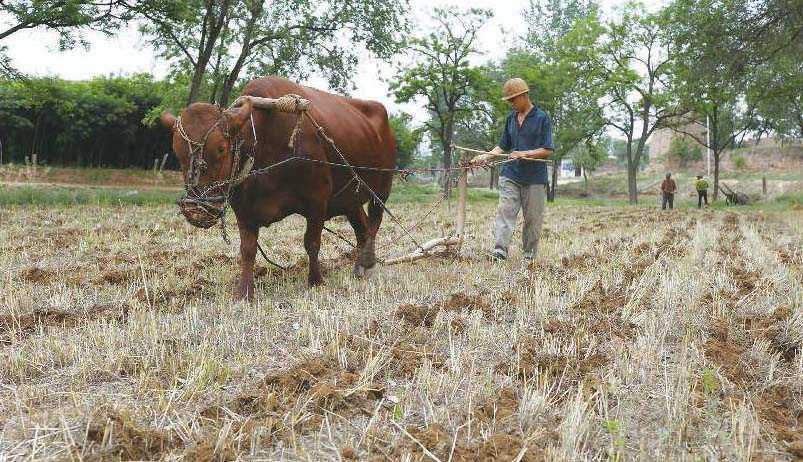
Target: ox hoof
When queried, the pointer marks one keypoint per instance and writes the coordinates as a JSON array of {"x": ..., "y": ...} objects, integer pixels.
[
  {"x": 244, "y": 298},
  {"x": 363, "y": 272}
]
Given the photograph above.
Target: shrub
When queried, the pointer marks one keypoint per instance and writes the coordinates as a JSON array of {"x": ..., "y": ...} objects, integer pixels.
[
  {"x": 685, "y": 151},
  {"x": 739, "y": 162}
]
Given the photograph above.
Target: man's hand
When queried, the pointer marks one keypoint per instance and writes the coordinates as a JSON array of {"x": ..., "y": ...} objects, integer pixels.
[
  {"x": 482, "y": 158},
  {"x": 517, "y": 155}
]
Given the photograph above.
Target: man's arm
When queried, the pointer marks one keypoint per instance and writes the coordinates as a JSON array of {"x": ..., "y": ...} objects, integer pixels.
[{"x": 540, "y": 153}]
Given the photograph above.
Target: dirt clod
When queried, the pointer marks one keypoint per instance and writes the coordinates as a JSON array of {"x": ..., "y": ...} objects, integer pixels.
[
  {"x": 349, "y": 453},
  {"x": 36, "y": 274},
  {"x": 417, "y": 315},
  {"x": 114, "y": 433},
  {"x": 22, "y": 326},
  {"x": 116, "y": 276}
]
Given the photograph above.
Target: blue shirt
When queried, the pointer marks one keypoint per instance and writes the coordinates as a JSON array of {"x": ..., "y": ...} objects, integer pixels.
[{"x": 534, "y": 133}]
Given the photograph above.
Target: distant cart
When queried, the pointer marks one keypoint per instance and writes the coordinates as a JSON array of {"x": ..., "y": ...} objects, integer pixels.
[{"x": 733, "y": 197}]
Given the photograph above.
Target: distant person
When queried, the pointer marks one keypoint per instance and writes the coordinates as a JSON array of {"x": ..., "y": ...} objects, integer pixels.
[
  {"x": 527, "y": 135},
  {"x": 702, "y": 191},
  {"x": 668, "y": 189}
]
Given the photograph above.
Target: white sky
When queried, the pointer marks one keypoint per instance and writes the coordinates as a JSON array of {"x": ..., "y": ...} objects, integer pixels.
[{"x": 36, "y": 52}]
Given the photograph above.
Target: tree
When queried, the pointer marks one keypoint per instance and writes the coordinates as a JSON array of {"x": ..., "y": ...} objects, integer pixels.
[
  {"x": 778, "y": 97},
  {"x": 588, "y": 156},
  {"x": 550, "y": 21},
  {"x": 71, "y": 17},
  {"x": 86, "y": 123},
  {"x": 684, "y": 151},
  {"x": 552, "y": 63},
  {"x": 408, "y": 139},
  {"x": 215, "y": 42},
  {"x": 737, "y": 68},
  {"x": 633, "y": 65},
  {"x": 441, "y": 74}
]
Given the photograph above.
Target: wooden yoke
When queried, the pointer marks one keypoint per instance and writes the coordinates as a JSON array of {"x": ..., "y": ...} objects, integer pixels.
[{"x": 285, "y": 103}]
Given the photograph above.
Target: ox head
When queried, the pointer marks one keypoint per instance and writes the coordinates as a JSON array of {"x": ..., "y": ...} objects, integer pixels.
[{"x": 207, "y": 141}]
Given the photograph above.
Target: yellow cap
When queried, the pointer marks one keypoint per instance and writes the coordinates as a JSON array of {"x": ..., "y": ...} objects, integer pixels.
[{"x": 514, "y": 87}]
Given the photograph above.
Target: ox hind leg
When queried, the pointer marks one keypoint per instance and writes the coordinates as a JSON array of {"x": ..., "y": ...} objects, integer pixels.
[
  {"x": 367, "y": 258},
  {"x": 359, "y": 221}
]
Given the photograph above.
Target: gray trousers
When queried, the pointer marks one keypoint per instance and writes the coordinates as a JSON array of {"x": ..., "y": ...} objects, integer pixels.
[{"x": 513, "y": 197}]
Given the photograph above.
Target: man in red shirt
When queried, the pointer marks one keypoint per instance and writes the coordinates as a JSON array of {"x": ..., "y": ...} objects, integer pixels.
[{"x": 668, "y": 189}]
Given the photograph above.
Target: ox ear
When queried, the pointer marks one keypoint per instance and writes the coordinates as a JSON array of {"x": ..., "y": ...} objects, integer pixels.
[
  {"x": 239, "y": 116},
  {"x": 168, "y": 119}
]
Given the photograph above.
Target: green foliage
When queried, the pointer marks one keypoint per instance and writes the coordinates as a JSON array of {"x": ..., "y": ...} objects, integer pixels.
[
  {"x": 613, "y": 426},
  {"x": 481, "y": 127},
  {"x": 710, "y": 382},
  {"x": 408, "y": 139},
  {"x": 618, "y": 147},
  {"x": 629, "y": 63},
  {"x": 552, "y": 64},
  {"x": 550, "y": 22},
  {"x": 588, "y": 155},
  {"x": 69, "y": 18},
  {"x": 738, "y": 67},
  {"x": 685, "y": 151},
  {"x": 86, "y": 123},
  {"x": 739, "y": 162},
  {"x": 441, "y": 75},
  {"x": 217, "y": 46},
  {"x": 398, "y": 413},
  {"x": 410, "y": 191}
]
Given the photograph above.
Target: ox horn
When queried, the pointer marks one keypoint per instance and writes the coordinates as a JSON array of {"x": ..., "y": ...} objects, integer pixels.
[{"x": 286, "y": 103}]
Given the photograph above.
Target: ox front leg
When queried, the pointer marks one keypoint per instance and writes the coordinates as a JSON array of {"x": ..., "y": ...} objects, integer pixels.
[
  {"x": 312, "y": 243},
  {"x": 248, "y": 252}
]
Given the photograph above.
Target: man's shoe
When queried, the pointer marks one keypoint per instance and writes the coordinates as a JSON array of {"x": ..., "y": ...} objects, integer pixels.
[{"x": 497, "y": 255}]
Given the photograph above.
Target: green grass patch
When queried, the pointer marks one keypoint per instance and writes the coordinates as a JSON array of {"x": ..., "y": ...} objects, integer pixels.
[
  {"x": 52, "y": 195},
  {"x": 425, "y": 194}
]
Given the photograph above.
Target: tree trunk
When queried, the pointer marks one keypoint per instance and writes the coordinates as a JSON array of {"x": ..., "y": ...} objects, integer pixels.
[
  {"x": 197, "y": 76},
  {"x": 553, "y": 188},
  {"x": 632, "y": 171},
  {"x": 36, "y": 131},
  {"x": 715, "y": 148},
  {"x": 234, "y": 74},
  {"x": 216, "y": 80},
  {"x": 717, "y": 154},
  {"x": 632, "y": 184},
  {"x": 207, "y": 47},
  {"x": 447, "y": 157}
]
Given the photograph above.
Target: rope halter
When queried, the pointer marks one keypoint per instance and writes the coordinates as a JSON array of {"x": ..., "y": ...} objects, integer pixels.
[{"x": 199, "y": 206}]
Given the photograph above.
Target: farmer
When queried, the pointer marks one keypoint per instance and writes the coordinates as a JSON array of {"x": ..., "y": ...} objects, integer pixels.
[
  {"x": 668, "y": 189},
  {"x": 527, "y": 135},
  {"x": 702, "y": 191}
]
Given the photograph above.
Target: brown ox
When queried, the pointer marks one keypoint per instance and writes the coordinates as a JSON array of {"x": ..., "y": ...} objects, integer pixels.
[{"x": 318, "y": 192}]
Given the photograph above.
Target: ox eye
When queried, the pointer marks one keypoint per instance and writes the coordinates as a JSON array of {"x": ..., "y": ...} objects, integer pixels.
[{"x": 221, "y": 150}]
